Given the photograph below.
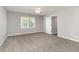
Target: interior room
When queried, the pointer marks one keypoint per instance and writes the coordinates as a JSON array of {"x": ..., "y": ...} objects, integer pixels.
[{"x": 39, "y": 29}]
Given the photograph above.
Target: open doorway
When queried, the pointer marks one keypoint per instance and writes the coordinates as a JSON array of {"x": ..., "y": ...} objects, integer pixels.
[{"x": 54, "y": 25}]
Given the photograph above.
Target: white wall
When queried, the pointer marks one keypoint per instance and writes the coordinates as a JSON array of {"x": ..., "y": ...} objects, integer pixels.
[
  {"x": 14, "y": 24},
  {"x": 3, "y": 25},
  {"x": 68, "y": 23},
  {"x": 48, "y": 25}
]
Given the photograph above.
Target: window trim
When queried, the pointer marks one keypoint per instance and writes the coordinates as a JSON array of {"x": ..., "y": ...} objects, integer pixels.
[{"x": 28, "y": 23}]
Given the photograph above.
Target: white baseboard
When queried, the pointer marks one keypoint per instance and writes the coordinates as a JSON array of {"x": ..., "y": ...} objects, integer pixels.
[
  {"x": 2, "y": 40},
  {"x": 22, "y": 33},
  {"x": 76, "y": 40}
]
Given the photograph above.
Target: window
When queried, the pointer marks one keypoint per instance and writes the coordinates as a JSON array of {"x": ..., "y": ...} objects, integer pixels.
[{"x": 27, "y": 22}]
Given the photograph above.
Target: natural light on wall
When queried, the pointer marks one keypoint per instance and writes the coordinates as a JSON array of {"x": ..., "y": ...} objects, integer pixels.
[{"x": 27, "y": 22}]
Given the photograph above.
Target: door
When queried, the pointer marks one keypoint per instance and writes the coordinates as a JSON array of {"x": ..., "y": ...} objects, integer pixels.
[{"x": 54, "y": 24}]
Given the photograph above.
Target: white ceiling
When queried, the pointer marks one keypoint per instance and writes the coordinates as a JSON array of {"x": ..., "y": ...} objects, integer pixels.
[{"x": 45, "y": 10}]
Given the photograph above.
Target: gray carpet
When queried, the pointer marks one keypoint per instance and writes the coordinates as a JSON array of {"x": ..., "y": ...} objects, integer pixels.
[{"x": 39, "y": 42}]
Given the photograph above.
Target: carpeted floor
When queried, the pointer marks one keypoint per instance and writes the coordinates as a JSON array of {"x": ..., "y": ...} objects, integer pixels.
[{"x": 39, "y": 42}]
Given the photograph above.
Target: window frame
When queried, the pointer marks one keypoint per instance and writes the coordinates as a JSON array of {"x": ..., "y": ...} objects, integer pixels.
[{"x": 28, "y": 27}]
